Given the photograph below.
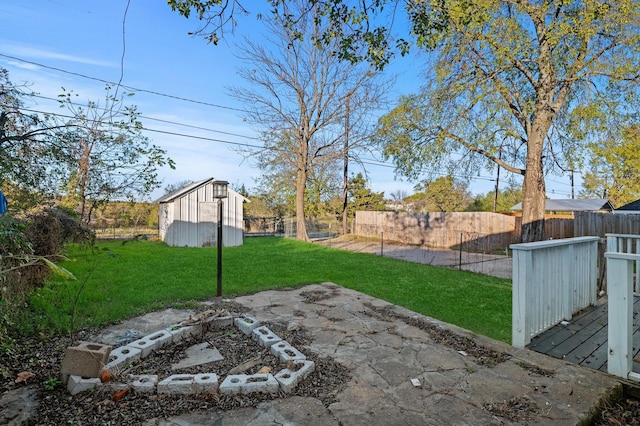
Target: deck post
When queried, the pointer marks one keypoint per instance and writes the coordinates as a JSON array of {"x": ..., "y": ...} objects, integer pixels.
[
  {"x": 567, "y": 283},
  {"x": 520, "y": 329},
  {"x": 619, "y": 281}
]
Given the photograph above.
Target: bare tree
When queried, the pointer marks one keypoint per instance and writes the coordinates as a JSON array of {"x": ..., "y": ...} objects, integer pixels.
[
  {"x": 298, "y": 96},
  {"x": 398, "y": 195}
]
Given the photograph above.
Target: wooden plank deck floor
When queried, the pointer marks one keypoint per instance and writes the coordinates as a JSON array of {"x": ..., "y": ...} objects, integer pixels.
[{"x": 584, "y": 339}]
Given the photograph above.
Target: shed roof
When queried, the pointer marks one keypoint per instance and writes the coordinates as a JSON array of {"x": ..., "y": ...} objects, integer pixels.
[
  {"x": 634, "y": 206},
  {"x": 189, "y": 188},
  {"x": 568, "y": 205}
]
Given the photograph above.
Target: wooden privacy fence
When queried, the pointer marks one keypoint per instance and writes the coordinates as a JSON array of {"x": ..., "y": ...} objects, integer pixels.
[
  {"x": 551, "y": 281},
  {"x": 482, "y": 230},
  {"x": 477, "y": 231},
  {"x": 493, "y": 230},
  {"x": 600, "y": 224},
  {"x": 623, "y": 259}
]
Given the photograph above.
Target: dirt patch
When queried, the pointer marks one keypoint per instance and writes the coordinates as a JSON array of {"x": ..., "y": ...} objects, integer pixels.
[
  {"x": 56, "y": 406},
  {"x": 534, "y": 370},
  {"x": 314, "y": 296},
  {"x": 623, "y": 412},
  {"x": 484, "y": 356},
  {"x": 517, "y": 409}
]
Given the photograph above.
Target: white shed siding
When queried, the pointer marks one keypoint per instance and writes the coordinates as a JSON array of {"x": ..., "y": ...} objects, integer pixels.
[{"x": 191, "y": 218}]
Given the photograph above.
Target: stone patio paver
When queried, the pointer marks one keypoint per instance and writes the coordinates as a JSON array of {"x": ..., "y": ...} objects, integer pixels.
[{"x": 385, "y": 354}]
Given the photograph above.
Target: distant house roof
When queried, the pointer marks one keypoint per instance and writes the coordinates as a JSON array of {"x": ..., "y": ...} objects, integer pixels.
[
  {"x": 632, "y": 206},
  {"x": 568, "y": 205}
]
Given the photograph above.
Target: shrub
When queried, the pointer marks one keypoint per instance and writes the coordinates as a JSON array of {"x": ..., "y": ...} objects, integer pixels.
[
  {"x": 15, "y": 249},
  {"x": 24, "y": 240}
]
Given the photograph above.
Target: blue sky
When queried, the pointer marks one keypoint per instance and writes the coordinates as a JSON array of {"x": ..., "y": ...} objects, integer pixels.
[{"x": 58, "y": 43}]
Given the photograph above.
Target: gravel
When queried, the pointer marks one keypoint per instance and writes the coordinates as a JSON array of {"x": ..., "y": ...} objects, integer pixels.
[
  {"x": 56, "y": 406},
  {"x": 43, "y": 358}
]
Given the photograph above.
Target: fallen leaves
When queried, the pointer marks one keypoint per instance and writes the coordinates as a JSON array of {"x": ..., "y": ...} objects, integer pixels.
[
  {"x": 105, "y": 376},
  {"x": 120, "y": 394},
  {"x": 24, "y": 376}
]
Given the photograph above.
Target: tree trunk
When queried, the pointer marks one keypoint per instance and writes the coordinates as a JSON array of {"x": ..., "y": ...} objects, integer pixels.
[
  {"x": 301, "y": 186},
  {"x": 533, "y": 190}
]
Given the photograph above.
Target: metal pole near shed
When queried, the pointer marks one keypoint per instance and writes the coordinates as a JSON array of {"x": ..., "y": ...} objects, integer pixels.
[{"x": 220, "y": 192}]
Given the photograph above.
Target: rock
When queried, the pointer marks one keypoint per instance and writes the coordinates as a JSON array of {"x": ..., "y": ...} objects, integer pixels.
[
  {"x": 246, "y": 365},
  {"x": 18, "y": 406}
]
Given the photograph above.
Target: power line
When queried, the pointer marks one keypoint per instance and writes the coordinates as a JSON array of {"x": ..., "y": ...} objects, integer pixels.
[
  {"x": 152, "y": 92},
  {"x": 246, "y": 145},
  {"x": 146, "y": 117}
]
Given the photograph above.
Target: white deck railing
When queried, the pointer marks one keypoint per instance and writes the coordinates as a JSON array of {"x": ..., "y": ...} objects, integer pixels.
[
  {"x": 620, "y": 278},
  {"x": 551, "y": 281},
  {"x": 624, "y": 243}
]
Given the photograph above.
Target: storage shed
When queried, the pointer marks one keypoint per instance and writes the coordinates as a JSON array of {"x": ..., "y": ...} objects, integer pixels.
[{"x": 188, "y": 217}]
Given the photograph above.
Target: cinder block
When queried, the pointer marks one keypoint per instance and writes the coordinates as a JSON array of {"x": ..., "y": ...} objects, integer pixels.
[
  {"x": 77, "y": 384},
  {"x": 181, "y": 332},
  {"x": 264, "y": 336},
  {"x": 84, "y": 360},
  {"x": 151, "y": 342},
  {"x": 113, "y": 387},
  {"x": 144, "y": 383},
  {"x": 246, "y": 323},
  {"x": 285, "y": 352},
  {"x": 289, "y": 378},
  {"x": 206, "y": 382},
  {"x": 183, "y": 384},
  {"x": 246, "y": 384},
  {"x": 222, "y": 321},
  {"x": 121, "y": 356}
]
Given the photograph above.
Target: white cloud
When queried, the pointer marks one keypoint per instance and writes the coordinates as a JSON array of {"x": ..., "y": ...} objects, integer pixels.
[{"x": 12, "y": 48}]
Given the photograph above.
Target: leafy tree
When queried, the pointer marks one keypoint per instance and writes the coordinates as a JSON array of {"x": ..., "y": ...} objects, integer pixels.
[
  {"x": 21, "y": 198},
  {"x": 257, "y": 207},
  {"x": 444, "y": 194},
  {"x": 27, "y": 158},
  {"x": 108, "y": 157},
  {"x": 515, "y": 83},
  {"x": 243, "y": 191},
  {"x": 506, "y": 199},
  {"x": 615, "y": 168},
  {"x": 125, "y": 214},
  {"x": 361, "y": 197},
  {"x": 275, "y": 190},
  {"x": 351, "y": 24},
  {"x": 297, "y": 100}
]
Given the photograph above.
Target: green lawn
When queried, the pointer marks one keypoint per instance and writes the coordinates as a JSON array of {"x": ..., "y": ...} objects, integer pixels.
[{"x": 119, "y": 280}]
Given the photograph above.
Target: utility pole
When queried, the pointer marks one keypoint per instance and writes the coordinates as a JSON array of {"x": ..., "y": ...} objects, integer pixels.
[
  {"x": 495, "y": 195},
  {"x": 572, "y": 186},
  {"x": 345, "y": 176}
]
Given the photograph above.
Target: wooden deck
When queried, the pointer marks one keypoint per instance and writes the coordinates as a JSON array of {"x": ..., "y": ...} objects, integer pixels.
[{"x": 584, "y": 339}]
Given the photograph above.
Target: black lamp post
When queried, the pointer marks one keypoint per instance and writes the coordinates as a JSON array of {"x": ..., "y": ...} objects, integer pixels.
[{"x": 220, "y": 192}]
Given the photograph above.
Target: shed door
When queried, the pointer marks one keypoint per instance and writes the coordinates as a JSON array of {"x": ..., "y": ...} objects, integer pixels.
[{"x": 207, "y": 224}]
